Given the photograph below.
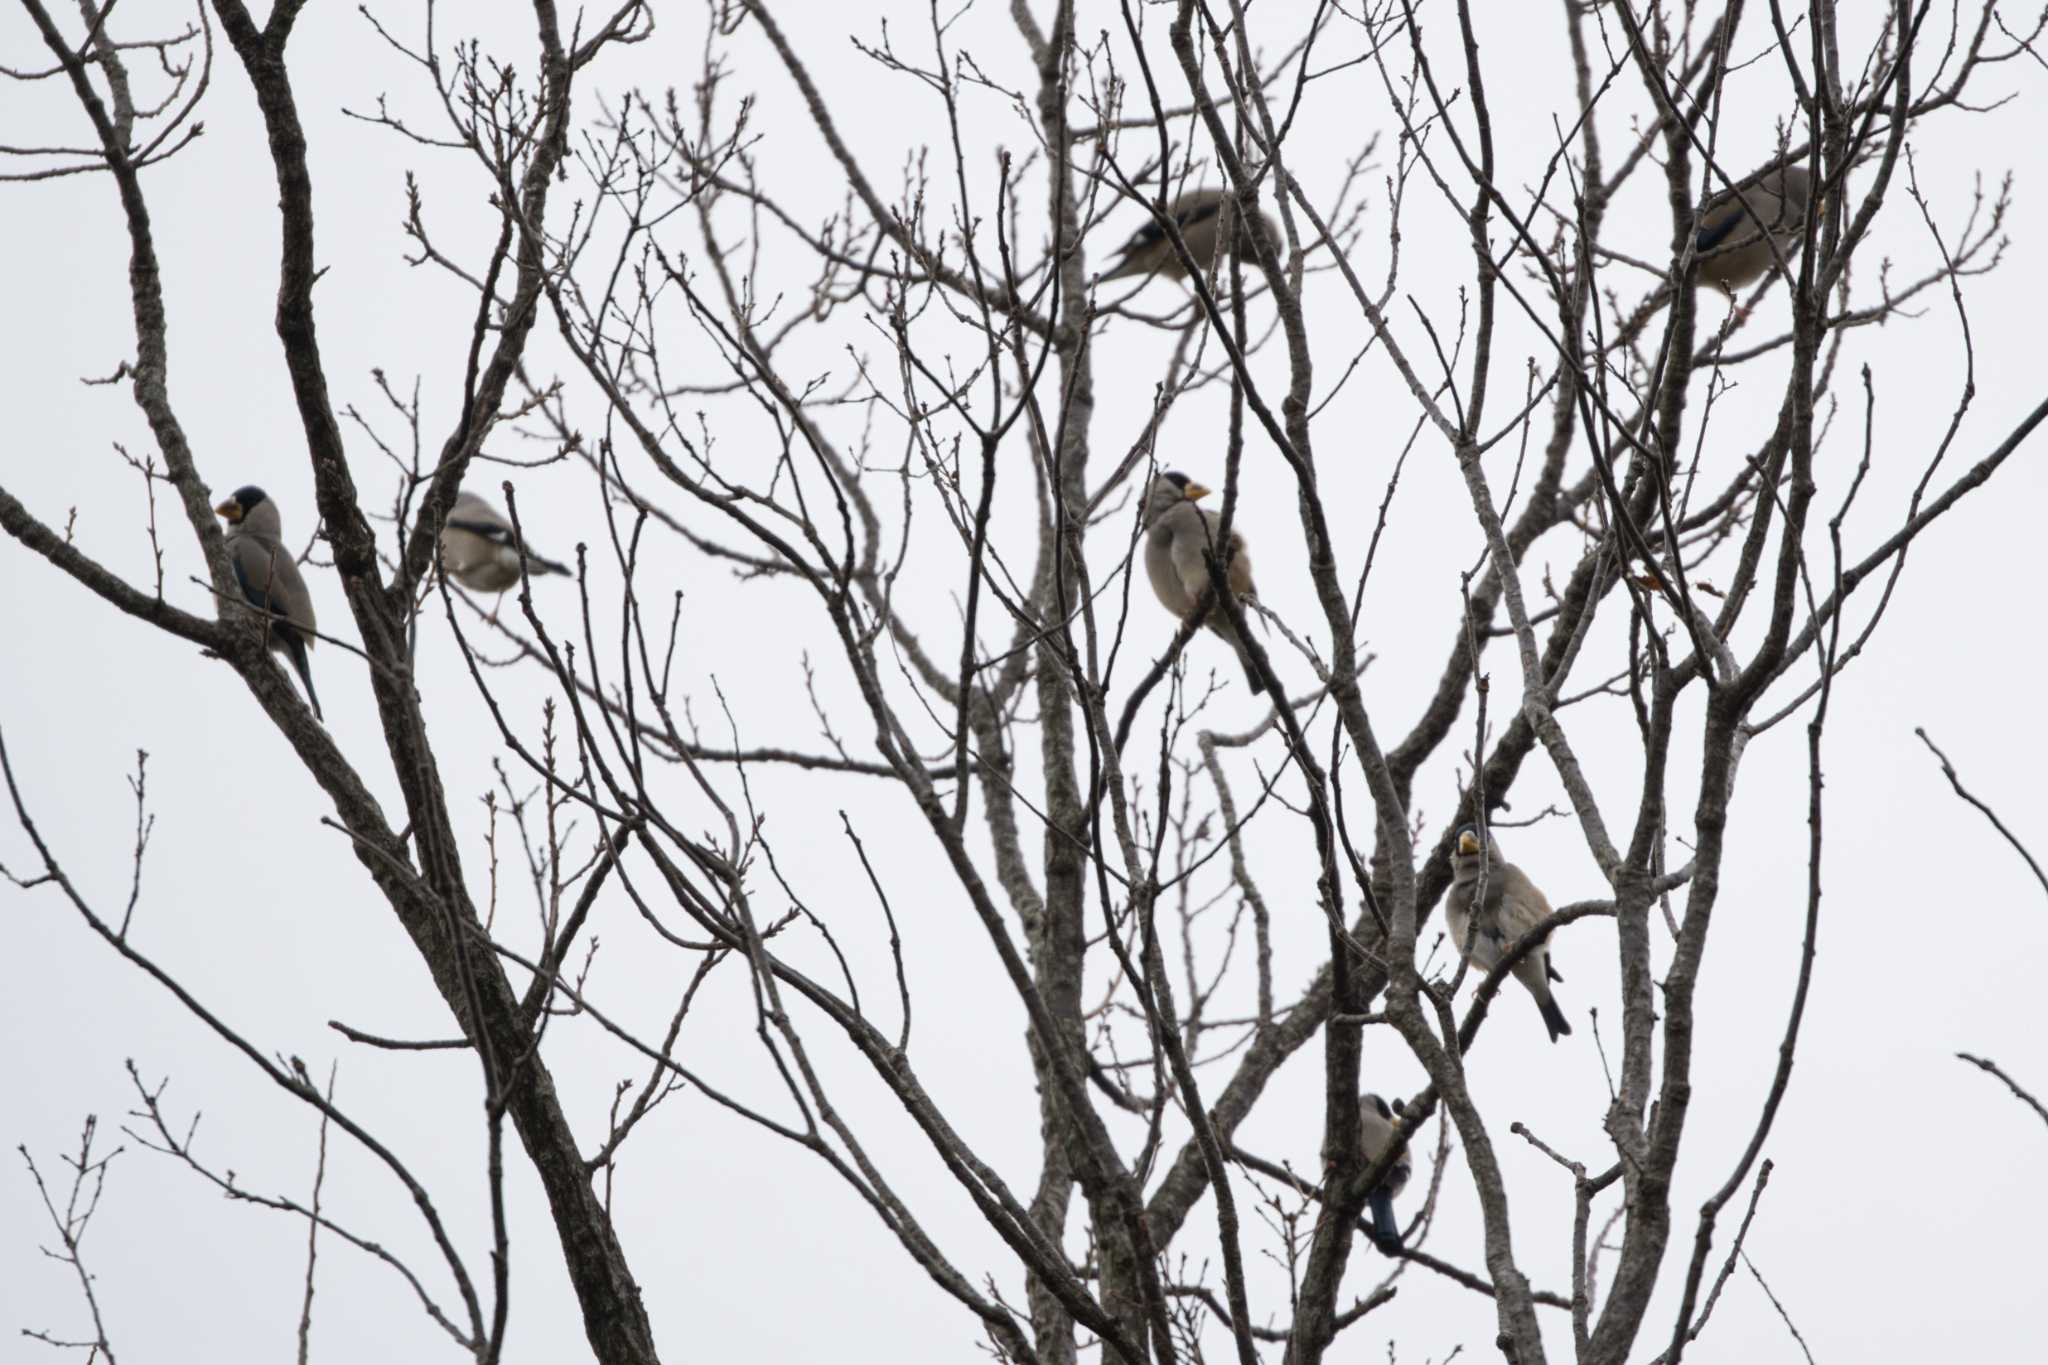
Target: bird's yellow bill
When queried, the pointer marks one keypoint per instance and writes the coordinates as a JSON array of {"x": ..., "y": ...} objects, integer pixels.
[
  {"x": 1468, "y": 842},
  {"x": 1196, "y": 492},
  {"x": 230, "y": 509}
]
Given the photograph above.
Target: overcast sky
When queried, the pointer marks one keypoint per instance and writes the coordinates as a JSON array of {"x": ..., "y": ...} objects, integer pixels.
[{"x": 1899, "y": 1223}]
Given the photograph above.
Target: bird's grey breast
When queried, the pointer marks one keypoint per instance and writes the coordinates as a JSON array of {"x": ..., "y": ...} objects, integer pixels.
[
  {"x": 1466, "y": 889},
  {"x": 1160, "y": 566},
  {"x": 1460, "y": 914}
]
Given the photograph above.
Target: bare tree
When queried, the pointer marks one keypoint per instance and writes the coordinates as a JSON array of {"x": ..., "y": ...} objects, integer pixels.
[{"x": 882, "y": 419}]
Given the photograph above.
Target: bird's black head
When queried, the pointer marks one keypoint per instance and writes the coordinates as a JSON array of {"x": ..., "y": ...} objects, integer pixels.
[
  {"x": 241, "y": 503},
  {"x": 1468, "y": 842},
  {"x": 1187, "y": 487},
  {"x": 1381, "y": 1105}
]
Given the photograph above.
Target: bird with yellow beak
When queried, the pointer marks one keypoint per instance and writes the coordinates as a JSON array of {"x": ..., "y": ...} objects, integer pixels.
[
  {"x": 1178, "y": 536},
  {"x": 1491, "y": 906},
  {"x": 269, "y": 578}
]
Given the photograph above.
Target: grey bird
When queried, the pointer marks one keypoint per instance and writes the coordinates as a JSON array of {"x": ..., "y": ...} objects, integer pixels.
[
  {"x": 1177, "y": 534},
  {"x": 1513, "y": 906},
  {"x": 1738, "y": 227},
  {"x": 269, "y": 578},
  {"x": 1197, "y": 214},
  {"x": 1379, "y": 1128},
  {"x": 478, "y": 549}
]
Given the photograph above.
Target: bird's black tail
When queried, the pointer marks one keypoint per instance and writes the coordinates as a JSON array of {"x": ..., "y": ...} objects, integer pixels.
[
  {"x": 1553, "y": 1018},
  {"x": 1251, "y": 674},
  {"x": 295, "y": 650},
  {"x": 1386, "y": 1229},
  {"x": 535, "y": 564}
]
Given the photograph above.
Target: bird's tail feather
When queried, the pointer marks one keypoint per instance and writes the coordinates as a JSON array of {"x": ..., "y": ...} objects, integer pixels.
[
  {"x": 1553, "y": 1017},
  {"x": 1386, "y": 1229},
  {"x": 535, "y": 564},
  {"x": 295, "y": 650},
  {"x": 1550, "y": 969},
  {"x": 1251, "y": 675}
]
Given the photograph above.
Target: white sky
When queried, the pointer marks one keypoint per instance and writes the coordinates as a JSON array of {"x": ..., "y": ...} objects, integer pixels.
[{"x": 1930, "y": 927}]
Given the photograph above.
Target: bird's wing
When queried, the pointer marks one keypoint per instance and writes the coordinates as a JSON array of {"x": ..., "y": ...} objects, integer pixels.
[
  {"x": 1716, "y": 226},
  {"x": 494, "y": 531},
  {"x": 1198, "y": 230},
  {"x": 270, "y": 580},
  {"x": 461, "y": 549},
  {"x": 1241, "y": 570},
  {"x": 1203, "y": 210},
  {"x": 486, "y": 525},
  {"x": 1149, "y": 235},
  {"x": 1522, "y": 906},
  {"x": 1186, "y": 217},
  {"x": 291, "y": 587},
  {"x": 1726, "y": 215},
  {"x": 237, "y": 549}
]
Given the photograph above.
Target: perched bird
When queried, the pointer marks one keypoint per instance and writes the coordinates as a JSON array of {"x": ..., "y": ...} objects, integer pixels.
[
  {"x": 1379, "y": 1129},
  {"x": 1513, "y": 906},
  {"x": 1739, "y": 225},
  {"x": 1197, "y": 214},
  {"x": 478, "y": 550},
  {"x": 1177, "y": 534},
  {"x": 269, "y": 578}
]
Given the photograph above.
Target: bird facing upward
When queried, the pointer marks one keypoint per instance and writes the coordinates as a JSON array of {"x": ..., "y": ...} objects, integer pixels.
[
  {"x": 1512, "y": 907},
  {"x": 269, "y": 578}
]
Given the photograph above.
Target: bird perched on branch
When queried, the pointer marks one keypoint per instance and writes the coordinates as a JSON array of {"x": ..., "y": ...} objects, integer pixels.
[
  {"x": 1178, "y": 535},
  {"x": 1197, "y": 214},
  {"x": 1379, "y": 1129},
  {"x": 1738, "y": 227},
  {"x": 269, "y": 578},
  {"x": 1484, "y": 930},
  {"x": 478, "y": 549}
]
